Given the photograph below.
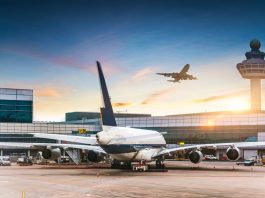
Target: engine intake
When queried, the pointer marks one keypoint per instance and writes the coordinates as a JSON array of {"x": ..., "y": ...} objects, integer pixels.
[
  {"x": 195, "y": 156},
  {"x": 233, "y": 153},
  {"x": 94, "y": 156},
  {"x": 51, "y": 154}
]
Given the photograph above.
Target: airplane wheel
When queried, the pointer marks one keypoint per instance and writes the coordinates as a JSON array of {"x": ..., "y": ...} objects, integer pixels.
[
  {"x": 159, "y": 164},
  {"x": 116, "y": 164},
  {"x": 127, "y": 165}
]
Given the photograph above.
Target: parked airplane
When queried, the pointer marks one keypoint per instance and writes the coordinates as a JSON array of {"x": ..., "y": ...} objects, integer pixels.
[
  {"x": 126, "y": 145},
  {"x": 182, "y": 75}
]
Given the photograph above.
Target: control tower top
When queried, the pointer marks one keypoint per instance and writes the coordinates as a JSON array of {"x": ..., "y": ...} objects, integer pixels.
[
  {"x": 254, "y": 65},
  {"x": 255, "y": 53}
]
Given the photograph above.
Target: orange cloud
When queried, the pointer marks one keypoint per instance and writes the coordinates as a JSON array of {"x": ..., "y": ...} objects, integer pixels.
[
  {"x": 121, "y": 104},
  {"x": 220, "y": 97},
  {"x": 47, "y": 92},
  {"x": 141, "y": 74},
  {"x": 157, "y": 95}
]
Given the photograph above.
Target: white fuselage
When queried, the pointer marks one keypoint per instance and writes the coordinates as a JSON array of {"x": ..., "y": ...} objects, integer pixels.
[{"x": 129, "y": 144}]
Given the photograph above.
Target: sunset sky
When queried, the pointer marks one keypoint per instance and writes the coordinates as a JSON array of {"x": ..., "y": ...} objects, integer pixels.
[{"x": 52, "y": 48}]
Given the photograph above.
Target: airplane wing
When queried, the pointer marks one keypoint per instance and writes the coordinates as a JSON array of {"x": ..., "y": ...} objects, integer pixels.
[
  {"x": 239, "y": 145},
  {"x": 42, "y": 146},
  {"x": 69, "y": 148},
  {"x": 186, "y": 77},
  {"x": 176, "y": 78},
  {"x": 68, "y": 138},
  {"x": 167, "y": 74}
]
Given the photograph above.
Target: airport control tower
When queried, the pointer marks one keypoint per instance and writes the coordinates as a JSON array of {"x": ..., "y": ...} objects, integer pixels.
[{"x": 254, "y": 69}]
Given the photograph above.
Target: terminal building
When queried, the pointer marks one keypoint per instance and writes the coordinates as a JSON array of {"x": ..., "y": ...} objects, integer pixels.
[
  {"x": 16, "y": 113},
  {"x": 198, "y": 128}
]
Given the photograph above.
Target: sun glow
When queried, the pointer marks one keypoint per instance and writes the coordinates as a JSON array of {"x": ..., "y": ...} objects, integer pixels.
[
  {"x": 210, "y": 122},
  {"x": 236, "y": 104}
]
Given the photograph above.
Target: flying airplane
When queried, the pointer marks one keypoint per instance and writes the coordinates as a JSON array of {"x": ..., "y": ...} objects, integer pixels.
[
  {"x": 130, "y": 145},
  {"x": 182, "y": 75}
]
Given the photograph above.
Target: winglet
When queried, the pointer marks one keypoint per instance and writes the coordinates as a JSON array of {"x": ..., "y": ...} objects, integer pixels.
[{"x": 106, "y": 112}]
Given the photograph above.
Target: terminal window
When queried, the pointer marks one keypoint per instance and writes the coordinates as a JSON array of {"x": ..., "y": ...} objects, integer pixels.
[{"x": 16, "y": 105}]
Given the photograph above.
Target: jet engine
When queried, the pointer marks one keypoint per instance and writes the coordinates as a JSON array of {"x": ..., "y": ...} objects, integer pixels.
[
  {"x": 195, "y": 156},
  {"x": 51, "y": 154},
  {"x": 233, "y": 153},
  {"x": 93, "y": 156}
]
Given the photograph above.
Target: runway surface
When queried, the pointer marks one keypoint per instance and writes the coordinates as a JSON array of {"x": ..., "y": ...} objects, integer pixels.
[{"x": 209, "y": 179}]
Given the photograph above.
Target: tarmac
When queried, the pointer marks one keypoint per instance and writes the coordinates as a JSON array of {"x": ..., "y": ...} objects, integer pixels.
[{"x": 183, "y": 179}]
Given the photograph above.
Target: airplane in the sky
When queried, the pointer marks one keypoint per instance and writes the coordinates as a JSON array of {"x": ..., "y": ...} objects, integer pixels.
[
  {"x": 182, "y": 75},
  {"x": 127, "y": 146}
]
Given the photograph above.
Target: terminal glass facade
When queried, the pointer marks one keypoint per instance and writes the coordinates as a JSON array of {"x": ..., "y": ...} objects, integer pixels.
[
  {"x": 200, "y": 128},
  {"x": 21, "y": 132},
  {"x": 73, "y": 116},
  {"x": 16, "y": 105}
]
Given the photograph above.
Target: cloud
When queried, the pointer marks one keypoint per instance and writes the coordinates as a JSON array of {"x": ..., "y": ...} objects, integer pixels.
[
  {"x": 141, "y": 74},
  {"x": 51, "y": 89},
  {"x": 121, "y": 104},
  {"x": 108, "y": 69},
  {"x": 220, "y": 97},
  {"x": 47, "y": 92},
  {"x": 70, "y": 61},
  {"x": 157, "y": 95}
]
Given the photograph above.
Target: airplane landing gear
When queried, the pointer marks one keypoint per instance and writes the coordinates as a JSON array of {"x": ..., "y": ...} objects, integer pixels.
[
  {"x": 127, "y": 166},
  {"x": 160, "y": 164},
  {"x": 115, "y": 164},
  {"x": 121, "y": 165}
]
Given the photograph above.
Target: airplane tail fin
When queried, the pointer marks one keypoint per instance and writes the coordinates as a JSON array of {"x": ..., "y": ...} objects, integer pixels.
[{"x": 106, "y": 112}]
